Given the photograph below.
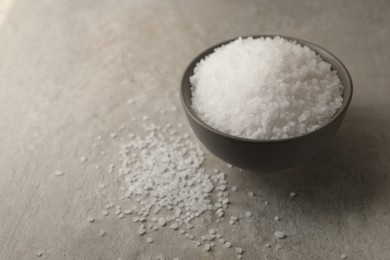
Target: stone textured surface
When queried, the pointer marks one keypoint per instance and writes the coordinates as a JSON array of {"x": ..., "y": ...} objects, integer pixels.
[{"x": 67, "y": 69}]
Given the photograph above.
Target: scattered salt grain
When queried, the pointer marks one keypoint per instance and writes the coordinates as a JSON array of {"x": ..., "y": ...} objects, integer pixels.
[
  {"x": 251, "y": 194},
  {"x": 248, "y": 214},
  {"x": 161, "y": 221},
  {"x": 141, "y": 230},
  {"x": 228, "y": 244},
  {"x": 278, "y": 247},
  {"x": 102, "y": 233},
  {"x": 268, "y": 245},
  {"x": 234, "y": 188},
  {"x": 102, "y": 186},
  {"x": 343, "y": 256},
  {"x": 58, "y": 173},
  {"x": 279, "y": 234},
  {"x": 238, "y": 250},
  {"x": 39, "y": 253},
  {"x": 293, "y": 194},
  {"x": 113, "y": 135},
  {"x": 90, "y": 219},
  {"x": 127, "y": 211},
  {"x": 105, "y": 213},
  {"x": 174, "y": 226},
  {"x": 273, "y": 88},
  {"x": 83, "y": 159},
  {"x": 149, "y": 240},
  {"x": 276, "y": 218},
  {"x": 206, "y": 247}
]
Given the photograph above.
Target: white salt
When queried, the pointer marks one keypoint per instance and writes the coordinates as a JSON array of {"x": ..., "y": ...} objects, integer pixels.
[
  {"x": 265, "y": 88},
  {"x": 279, "y": 234},
  {"x": 58, "y": 173}
]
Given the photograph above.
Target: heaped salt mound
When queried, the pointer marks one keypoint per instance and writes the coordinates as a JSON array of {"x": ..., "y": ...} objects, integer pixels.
[{"x": 265, "y": 88}]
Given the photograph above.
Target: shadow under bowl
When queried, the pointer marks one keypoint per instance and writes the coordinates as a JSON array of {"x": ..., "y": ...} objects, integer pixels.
[{"x": 267, "y": 155}]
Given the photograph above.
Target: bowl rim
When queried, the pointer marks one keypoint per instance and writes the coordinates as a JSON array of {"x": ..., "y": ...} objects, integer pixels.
[{"x": 190, "y": 111}]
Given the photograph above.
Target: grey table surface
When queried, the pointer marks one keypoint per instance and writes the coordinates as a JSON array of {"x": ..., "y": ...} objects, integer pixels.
[{"x": 67, "y": 69}]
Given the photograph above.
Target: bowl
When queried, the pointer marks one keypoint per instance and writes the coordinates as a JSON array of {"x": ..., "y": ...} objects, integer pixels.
[{"x": 267, "y": 155}]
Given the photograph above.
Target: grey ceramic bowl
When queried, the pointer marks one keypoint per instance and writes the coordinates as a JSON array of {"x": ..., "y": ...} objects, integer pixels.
[{"x": 266, "y": 155}]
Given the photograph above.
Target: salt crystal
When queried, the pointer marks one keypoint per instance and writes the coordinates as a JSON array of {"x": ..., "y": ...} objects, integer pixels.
[
  {"x": 174, "y": 226},
  {"x": 248, "y": 214},
  {"x": 58, "y": 173},
  {"x": 83, "y": 159},
  {"x": 102, "y": 186},
  {"x": 343, "y": 256},
  {"x": 149, "y": 240},
  {"x": 90, "y": 219},
  {"x": 190, "y": 226},
  {"x": 212, "y": 232},
  {"x": 292, "y": 194},
  {"x": 113, "y": 135},
  {"x": 279, "y": 234},
  {"x": 39, "y": 253},
  {"x": 127, "y": 211},
  {"x": 102, "y": 233},
  {"x": 161, "y": 221},
  {"x": 206, "y": 247},
  {"x": 278, "y": 247},
  {"x": 141, "y": 230},
  {"x": 268, "y": 245},
  {"x": 234, "y": 188},
  {"x": 228, "y": 244},
  {"x": 276, "y": 218},
  {"x": 105, "y": 213},
  {"x": 251, "y": 194},
  {"x": 238, "y": 250}
]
